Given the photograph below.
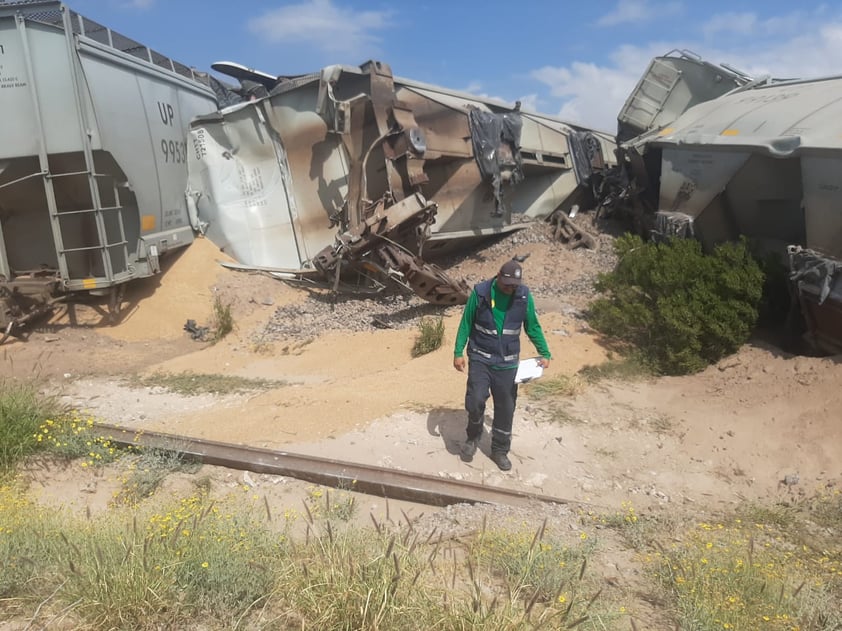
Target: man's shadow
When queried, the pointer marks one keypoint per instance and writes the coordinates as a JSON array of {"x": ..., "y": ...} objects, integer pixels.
[{"x": 450, "y": 423}]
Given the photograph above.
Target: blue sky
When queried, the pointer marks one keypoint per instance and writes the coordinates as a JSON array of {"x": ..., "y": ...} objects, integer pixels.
[{"x": 577, "y": 60}]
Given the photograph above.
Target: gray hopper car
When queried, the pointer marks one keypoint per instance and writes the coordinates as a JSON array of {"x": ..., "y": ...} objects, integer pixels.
[
  {"x": 721, "y": 155},
  {"x": 93, "y": 157}
]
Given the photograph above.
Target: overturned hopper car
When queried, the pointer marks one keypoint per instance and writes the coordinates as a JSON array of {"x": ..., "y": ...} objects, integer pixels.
[
  {"x": 93, "y": 159},
  {"x": 352, "y": 171},
  {"x": 763, "y": 160}
]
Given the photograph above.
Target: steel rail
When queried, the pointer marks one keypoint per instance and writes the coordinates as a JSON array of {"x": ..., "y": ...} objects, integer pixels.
[{"x": 378, "y": 481}]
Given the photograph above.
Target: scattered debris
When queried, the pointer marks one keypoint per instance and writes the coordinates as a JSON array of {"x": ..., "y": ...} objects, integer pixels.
[
  {"x": 198, "y": 333},
  {"x": 568, "y": 232},
  {"x": 791, "y": 479}
]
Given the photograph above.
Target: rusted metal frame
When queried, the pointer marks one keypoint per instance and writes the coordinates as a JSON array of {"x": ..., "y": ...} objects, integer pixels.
[
  {"x": 24, "y": 300},
  {"x": 382, "y": 102},
  {"x": 32, "y": 286},
  {"x": 377, "y": 481},
  {"x": 374, "y": 229},
  {"x": 396, "y": 121},
  {"x": 401, "y": 148},
  {"x": 823, "y": 319},
  {"x": 427, "y": 280},
  {"x": 353, "y": 142}
]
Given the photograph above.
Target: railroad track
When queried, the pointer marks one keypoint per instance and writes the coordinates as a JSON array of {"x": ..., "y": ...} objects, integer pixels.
[{"x": 378, "y": 481}]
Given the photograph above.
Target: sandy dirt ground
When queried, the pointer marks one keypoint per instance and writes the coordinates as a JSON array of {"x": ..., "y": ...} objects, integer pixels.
[{"x": 759, "y": 425}]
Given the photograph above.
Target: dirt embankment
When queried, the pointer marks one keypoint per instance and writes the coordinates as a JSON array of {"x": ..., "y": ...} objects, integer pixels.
[{"x": 351, "y": 390}]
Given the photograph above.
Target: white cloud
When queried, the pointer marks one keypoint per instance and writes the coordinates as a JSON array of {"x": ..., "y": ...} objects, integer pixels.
[
  {"x": 530, "y": 102},
  {"x": 739, "y": 23},
  {"x": 815, "y": 55},
  {"x": 474, "y": 87},
  {"x": 750, "y": 25},
  {"x": 804, "y": 46},
  {"x": 324, "y": 25},
  {"x": 139, "y": 4},
  {"x": 635, "y": 11},
  {"x": 593, "y": 95}
]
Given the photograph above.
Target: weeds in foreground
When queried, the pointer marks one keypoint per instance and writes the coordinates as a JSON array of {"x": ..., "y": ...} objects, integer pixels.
[
  {"x": 23, "y": 409},
  {"x": 158, "y": 567},
  {"x": 231, "y": 564},
  {"x": 764, "y": 567},
  {"x": 228, "y": 564},
  {"x": 338, "y": 505},
  {"x": 71, "y": 436},
  {"x": 546, "y": 572},
  {"x": 34, "y": 423},
  {"x": 193, "y": 384},
  {"x": 147, "y": 470},
  {"x": 638, "y": 532},
  {"x": 779, "y": 515},
  {"x": 430, "y": 336},
  {"x": 743, "y": 576}
]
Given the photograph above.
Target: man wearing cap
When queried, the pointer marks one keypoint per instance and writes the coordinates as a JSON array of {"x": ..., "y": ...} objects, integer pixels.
[{"x": 496, "y": 311}]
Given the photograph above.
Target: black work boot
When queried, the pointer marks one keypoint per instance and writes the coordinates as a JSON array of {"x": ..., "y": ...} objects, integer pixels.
[
  {"x": 501, "y": 460},
  {"x": 469, "y": 448}
]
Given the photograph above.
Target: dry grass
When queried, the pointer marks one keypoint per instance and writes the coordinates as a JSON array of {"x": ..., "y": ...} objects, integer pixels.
[
  {"x": 554, "y": 387},
  {"x": 192, "y": 384}
]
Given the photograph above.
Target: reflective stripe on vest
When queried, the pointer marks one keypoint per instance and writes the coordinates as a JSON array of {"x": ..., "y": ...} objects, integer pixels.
[{"x": 484, "y": 343}]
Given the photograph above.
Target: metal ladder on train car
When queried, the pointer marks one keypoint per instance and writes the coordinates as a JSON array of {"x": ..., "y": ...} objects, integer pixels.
[
  {"x": 101, "y": 245},
  {"x": 650, "y": 95}
]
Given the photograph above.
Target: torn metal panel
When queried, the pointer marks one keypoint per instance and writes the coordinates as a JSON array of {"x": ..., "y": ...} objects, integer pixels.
[
  {"x": 239, "y": 185},
  {"x": 352, "y": 169},
  {"x": 818, "y": 284},
  {"x": 496, "y": 141},
  {"x": 674, "y": 224}
]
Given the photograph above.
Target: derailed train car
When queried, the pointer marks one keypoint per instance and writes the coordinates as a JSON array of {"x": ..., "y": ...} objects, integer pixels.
[
  {"x": 762, "y": 160},
  {"x": 353, "y": 171},
  {"x": 93, "y": 159}
]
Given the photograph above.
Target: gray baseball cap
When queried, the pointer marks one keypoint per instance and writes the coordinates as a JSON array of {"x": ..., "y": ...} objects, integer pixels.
[{"x": 510, "y": 274}]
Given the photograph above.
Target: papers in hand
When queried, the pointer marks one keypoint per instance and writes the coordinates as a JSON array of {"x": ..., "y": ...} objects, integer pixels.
[{"x": 528, "y": 369}]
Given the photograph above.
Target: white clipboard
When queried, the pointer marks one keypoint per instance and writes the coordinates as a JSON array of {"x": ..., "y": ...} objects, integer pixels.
[{"x": 528, "y": 369}]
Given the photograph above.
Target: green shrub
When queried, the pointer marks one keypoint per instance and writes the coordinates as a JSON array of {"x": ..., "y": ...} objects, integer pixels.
[
  {"x": 681, "y": 308},
  {"x": 430, "y": 336}
]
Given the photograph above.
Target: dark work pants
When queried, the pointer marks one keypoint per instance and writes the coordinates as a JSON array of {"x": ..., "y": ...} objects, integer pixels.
[{"x": 500, "y": 384}]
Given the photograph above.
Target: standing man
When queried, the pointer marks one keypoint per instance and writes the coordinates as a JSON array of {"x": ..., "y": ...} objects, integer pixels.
[{"x": 496, "y": 311}]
